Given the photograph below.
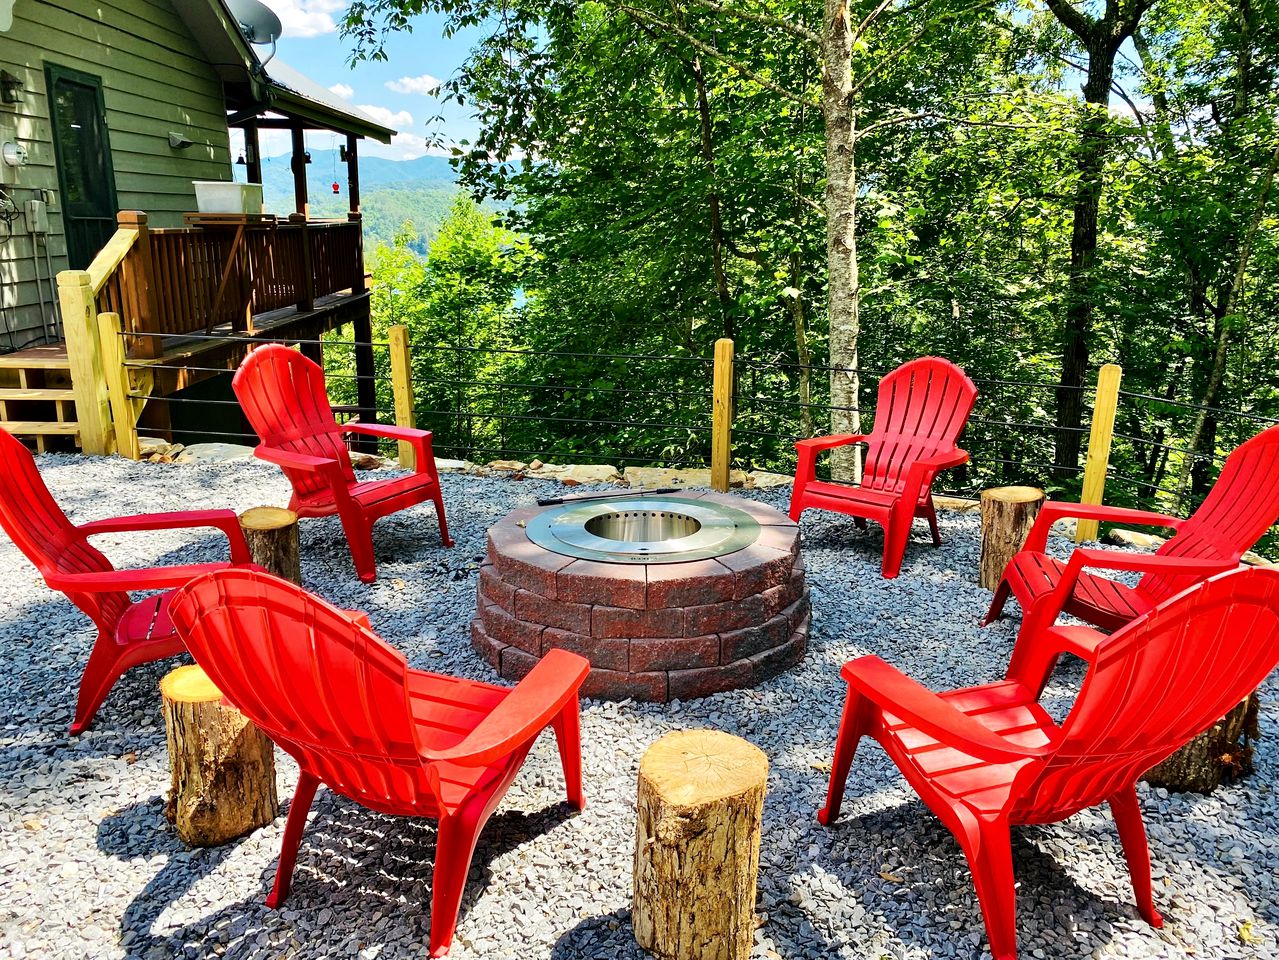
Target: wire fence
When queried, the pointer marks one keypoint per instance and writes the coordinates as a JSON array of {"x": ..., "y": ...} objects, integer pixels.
[{"x": 485, "y": 403}]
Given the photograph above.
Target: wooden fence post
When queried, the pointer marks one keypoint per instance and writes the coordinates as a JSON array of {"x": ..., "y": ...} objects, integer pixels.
[
  {"x": 402, "y": 388},
  {"x": 722, "y": 415},
  {"x": 124, "y": 411},
  {"x": 84, "y": 354},
  {"x": 1103, "y": 428},
  {"x": 137, "y": 276}
]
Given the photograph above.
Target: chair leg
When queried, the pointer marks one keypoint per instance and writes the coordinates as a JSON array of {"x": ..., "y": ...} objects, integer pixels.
[
  {"x": 896, "y": 534},
  {"x": 293, "y": 827},
  {"x": 438, "y": 497},
  {"x": 852, "y": 726},
  {"x": 931, "y": 515},
  {"x": 455, "y": 845},
  {"x": 100, "y": 674},
  {"x": 359, "y": 537},
  {"x": 997, "y": 603},
  {"x": 1132, "y": 834},
  {"x": 988, "y": 847},
  {"x": 568, "y": 736}
]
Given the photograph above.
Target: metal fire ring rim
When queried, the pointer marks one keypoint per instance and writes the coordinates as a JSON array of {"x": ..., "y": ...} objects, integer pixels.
[{"x": 724, "y": 530}]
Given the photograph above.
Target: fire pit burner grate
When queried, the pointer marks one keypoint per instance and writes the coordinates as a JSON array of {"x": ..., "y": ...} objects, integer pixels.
[{"x": 643, "y": 530}]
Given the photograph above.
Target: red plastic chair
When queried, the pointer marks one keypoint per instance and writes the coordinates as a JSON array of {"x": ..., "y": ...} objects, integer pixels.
[
  {"x": 922, "y": 408},
  {"x": 1242, "y": 505},
  {"x": 347, "y": 707},
  {"x": 283, "y": 396},
  {"x": 129, "y": 632},
  {"x": 989, "y": 757}
]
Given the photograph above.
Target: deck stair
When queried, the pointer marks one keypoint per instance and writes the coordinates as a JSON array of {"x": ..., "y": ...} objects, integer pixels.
[{"x": 36, "y": 400}]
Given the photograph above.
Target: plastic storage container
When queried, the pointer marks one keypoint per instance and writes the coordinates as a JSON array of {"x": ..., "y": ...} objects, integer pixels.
[{"x": 225, "y": 196}]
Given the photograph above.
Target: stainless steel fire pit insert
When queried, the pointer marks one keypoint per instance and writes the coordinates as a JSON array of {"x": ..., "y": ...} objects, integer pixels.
[{"x": 643, "y": 530}]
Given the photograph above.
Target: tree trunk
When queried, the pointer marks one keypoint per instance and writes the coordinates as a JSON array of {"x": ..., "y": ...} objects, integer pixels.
[
  {"x": 1090, "y": 161},
  {"x": 272, "y": 536},
  {"x": 1216, "y": 756},
  {"x": 1007, "y": 514},
  {"x": 222, "y": 767},
  {"x": 802, "y": 350},
  {"x": 843, "y": 293},
  {"x": 698, "y": 809},
  {"x": 713, "y": 199}
]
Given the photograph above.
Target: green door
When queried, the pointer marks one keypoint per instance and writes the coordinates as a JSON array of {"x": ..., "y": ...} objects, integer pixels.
[{"x": 83, "y": 151}]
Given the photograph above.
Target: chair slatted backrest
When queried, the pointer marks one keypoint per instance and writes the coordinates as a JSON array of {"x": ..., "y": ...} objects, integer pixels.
[
  {"x": 1154, "y": 685},
  {"x": 1241, "y": 506},
  {"x": 283, "y": 396},
  {"x": 922, "y": 408},
  {"x": 40, "y": 529},
  {"x": 320, "y": 684}
]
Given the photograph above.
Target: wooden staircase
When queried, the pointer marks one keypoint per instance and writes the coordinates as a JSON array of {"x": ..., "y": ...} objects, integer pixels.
[{"x": 37, "y": 403}]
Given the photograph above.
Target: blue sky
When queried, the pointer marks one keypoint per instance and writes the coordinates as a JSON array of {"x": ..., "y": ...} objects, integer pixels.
[{"x": 394, "y": 92}]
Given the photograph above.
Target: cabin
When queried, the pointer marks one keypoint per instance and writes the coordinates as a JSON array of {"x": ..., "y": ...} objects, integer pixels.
[{"x": 110, "y": 112}]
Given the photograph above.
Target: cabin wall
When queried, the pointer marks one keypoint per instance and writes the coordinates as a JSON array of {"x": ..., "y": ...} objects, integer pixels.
[{"x": 155, "y": 81}]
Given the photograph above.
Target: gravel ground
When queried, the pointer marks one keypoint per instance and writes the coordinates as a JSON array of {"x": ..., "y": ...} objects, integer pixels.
[{"x": 89, "y": 867}]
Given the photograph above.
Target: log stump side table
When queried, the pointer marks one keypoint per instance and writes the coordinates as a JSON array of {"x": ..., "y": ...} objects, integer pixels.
[
  {"x": 1007, "y": 514},
  {"x": 699, "y": 805},
  {"x": 222, "y": 767},
  {"x": 272, "y": 536}
]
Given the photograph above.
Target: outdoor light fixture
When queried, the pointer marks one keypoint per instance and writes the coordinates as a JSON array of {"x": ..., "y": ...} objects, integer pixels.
[
  {"x": 10, "y": 88},
  {"x": 179, "y": 142}
]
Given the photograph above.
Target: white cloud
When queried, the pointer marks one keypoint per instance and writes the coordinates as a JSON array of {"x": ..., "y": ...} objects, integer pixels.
[
  {"x": 307, "y": 18},
  {"x": 404, "y": 146},
  {"x": 397, "y": 120},
  {"x": 343, "y": 90},
  {"x": 424, "y": 85}
]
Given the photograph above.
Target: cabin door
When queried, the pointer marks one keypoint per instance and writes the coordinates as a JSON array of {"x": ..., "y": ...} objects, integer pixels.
[{"x": 83, "y": 151}]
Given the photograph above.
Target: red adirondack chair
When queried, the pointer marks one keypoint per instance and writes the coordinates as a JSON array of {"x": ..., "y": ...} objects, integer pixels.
[
  {"x": 283, "y": 395},
  {"x": 353, "y": 714},
  {"x": 129, "y": 632},
  {"x": 1242, "y": 505},
  {"x": 922, "y": 408},
  {"x": 989, "y": 757}
]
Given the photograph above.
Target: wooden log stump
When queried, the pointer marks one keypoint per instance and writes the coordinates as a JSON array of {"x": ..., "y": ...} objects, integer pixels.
[
  {"x": 700, "y": 800},
  {"x": 272, "y": 536},
  {"x": 222, "y": 767},
  {"x": 1218, "y": 755},
  {"x": 1007, "y": 514}
]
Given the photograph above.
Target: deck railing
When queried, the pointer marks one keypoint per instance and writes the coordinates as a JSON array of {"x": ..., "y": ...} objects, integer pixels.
[{"x": 222, "y": 274}]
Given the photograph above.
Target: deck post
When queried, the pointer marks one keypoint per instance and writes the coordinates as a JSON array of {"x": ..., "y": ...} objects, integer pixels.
[
  {"x": 137, "y": 273},
  {"x": 365, "y": 372},
  {"x": 306, "y": 284},
  {"x": 124, "y": 412},
  {"x": 298, "y": 164},
  {"x": 353, "y": 172},
  {"x": 1103, "y": 428},
  {"x": 722, "y": 414},
  {"x": 84, "y": 354},
  {"x": 402, "y": 386}
]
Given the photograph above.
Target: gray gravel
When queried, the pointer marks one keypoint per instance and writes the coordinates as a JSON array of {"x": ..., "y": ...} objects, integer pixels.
[{"x": 90, "y": 868}]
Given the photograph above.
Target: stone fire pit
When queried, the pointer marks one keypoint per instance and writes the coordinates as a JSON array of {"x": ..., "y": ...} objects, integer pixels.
[{"x": 669, "y": 597}]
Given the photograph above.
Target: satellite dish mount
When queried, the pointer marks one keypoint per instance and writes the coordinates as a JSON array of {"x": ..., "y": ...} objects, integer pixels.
[{"x": 260, "y": 25}]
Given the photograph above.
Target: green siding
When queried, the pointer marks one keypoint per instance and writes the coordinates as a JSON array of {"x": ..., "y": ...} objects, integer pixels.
[{"x": 155, "y": 80}]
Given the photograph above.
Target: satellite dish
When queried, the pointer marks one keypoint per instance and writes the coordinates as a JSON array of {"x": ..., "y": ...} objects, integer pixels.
[{"x": 258, "y": 21}]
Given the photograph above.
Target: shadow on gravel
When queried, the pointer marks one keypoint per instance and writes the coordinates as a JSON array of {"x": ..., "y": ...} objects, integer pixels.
[
  {"x": 594, "y": 938},
  {"x": 352, "y": 864}
]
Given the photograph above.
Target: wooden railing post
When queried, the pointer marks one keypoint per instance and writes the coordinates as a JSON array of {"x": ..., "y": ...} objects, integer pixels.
[
  {"x": 123, "y": 408},
  {"x": 137, "y": 271},
  {"x": 306, "y": 288},
  {"x": 402, "y": 387},
  {"x": 357, "y": 284},
  {"x": 80, "y": 327},
  {"x": 722, "y": 414},
  {"x": 1098, "y": 462}
]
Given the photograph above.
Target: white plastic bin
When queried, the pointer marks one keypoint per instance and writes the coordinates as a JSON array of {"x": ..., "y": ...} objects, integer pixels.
[{"x": 224, "y": 196}]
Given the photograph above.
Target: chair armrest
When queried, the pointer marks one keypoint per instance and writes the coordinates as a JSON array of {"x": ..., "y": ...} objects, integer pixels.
[
  {"x": 292, "y": 460},
  {"x": 1148, "y": 562},
  {"x": 1036, "y": 652},
  {"x": 420, "y": 440},
  {"x": 144, "y": 578},
  {"x": 525, "y": 712},
  {"x": 1055, "y": 510},
  {"x": 898, "y": 694},
  {"x": 818, "y": 444},
  {"x": 224, "y": 520}
]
